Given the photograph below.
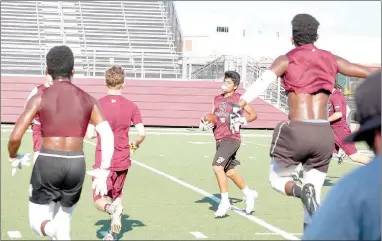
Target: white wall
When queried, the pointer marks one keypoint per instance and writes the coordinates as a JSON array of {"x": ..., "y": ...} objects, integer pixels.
[{"x": 355, "y": 49}]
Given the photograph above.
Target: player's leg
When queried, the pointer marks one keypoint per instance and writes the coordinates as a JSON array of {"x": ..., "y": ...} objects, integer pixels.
[
  {"x": 222, "y": 156},
  {"x": 359, "y": 158},
  {"x": 231, "y": 172},
  {"x": 315, "y": 170},
  {"x": 118, "y": 184},
  {"x": 283, "y": 153},
  {"x": 46, "y": 180},
  {"x": 70, "y": 191}
]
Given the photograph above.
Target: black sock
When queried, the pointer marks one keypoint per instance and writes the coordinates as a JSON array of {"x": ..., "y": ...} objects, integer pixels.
[{"x": 296, "y": 190}]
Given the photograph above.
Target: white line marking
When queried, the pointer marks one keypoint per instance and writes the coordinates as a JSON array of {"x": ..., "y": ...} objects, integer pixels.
[
  {"x": 161, "y": 155},
  {"x": 254, "y": 143},
  {"x": 266, "y": 234},
  {"x": 14, "y": 234},
  {"x": 198, "y": 235},
  {"x": 205, "y": 156},
  {"x": 199, "y": 142},
  {"x": 254, "y": 219}
]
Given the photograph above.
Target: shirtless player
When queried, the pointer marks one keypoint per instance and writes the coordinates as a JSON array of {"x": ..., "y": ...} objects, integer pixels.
[
  {"x": 308, "y": 77},
  {"x": 120, "y": 113},
  {"x": 59, "y": 172},
  {"x": 36, "y": 125},
  {"x": 228, "y": 143}
]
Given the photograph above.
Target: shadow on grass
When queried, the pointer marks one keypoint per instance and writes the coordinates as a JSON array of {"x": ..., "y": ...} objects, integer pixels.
[{"x": 127, "y": 225}]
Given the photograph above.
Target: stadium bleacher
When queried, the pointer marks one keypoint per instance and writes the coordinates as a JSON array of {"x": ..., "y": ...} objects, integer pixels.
[{"x": 135, "y": 34}]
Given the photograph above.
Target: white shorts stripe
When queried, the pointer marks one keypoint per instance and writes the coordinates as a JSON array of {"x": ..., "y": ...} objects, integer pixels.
[
  {"x": 61, "y": 156},
  {"x": 278, "y": 136}
]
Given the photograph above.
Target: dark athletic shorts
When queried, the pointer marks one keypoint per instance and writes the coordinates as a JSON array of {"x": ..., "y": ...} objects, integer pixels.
[
  {"x": 57, "y": 176},
  {"x": 309, "y": 143},
  {"x": 339, "y": 135},
  {"x": 226, "y": 154}
]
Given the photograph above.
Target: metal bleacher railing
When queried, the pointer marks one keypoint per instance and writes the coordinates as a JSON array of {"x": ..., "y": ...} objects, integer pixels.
[{"x": 146, "y": 33}]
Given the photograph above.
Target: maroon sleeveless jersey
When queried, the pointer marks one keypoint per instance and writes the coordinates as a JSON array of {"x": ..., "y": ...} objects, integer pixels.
[
  {"x": 120, "y": 113},
  {"x": 65, "y": 110},
  {"x": 37, "y": 90},
  {"x": 310, "y": 70},
  {"x": 222, "y": 111}
]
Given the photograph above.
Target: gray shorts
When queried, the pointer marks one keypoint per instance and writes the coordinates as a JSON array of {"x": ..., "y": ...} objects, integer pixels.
[
  {"x": 57, "y": 176},
  {"x": 296, "y": 142},
  {"x": 225, "y": 156}
]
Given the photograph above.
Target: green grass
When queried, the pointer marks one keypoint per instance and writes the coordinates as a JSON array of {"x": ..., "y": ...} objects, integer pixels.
[{"x": 159, "y": 208}]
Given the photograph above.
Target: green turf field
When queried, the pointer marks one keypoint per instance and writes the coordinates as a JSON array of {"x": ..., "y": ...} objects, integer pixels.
[{"x": 168, "y": 192}]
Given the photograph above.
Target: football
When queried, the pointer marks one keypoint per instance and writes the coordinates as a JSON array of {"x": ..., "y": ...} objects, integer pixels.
[{"x": 211, "y": 118}]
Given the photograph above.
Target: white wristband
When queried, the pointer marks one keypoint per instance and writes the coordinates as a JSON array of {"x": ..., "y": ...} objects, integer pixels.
[{"x": 107, "y": 143}]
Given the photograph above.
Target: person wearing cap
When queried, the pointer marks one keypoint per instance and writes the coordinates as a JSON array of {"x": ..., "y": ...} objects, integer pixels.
[{"x": 352, "y": 209}]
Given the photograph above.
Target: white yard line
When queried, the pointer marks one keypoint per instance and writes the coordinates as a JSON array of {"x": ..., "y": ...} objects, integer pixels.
[
  {"x": 254, "y": 219},
  {"x": 198, "y": 235},
  {"x": 14, "y": 234},
  {"x": 266, "y": 234}
]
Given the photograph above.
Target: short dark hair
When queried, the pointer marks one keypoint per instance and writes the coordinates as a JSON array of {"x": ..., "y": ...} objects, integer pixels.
[
  {"x": 304, "y": 28},
  {"x": 234, "y": 76},
  {"x": 60, "y": 62}
]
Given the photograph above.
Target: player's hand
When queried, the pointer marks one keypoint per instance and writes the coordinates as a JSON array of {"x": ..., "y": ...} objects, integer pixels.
[
  {"x": 236, "y": 120},
  {"x": 133, "y": 146},
  {"x": 19, "y": 162},
  {"x": 205, "y": 125},
  {"x": 100, "y": 180}
]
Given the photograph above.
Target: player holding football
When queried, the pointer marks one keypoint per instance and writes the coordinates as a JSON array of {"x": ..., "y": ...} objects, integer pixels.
[
  {"x": 120, "y": 113},
  {"x": 228, "y": 143},
  {"x": 340, "y": 127},
  {"x": 308, "y": 75},
  {"x": 36, "y": 125},
  {"x": 59, "y": 172}
]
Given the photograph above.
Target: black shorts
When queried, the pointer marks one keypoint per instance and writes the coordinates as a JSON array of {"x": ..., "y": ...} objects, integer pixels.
[
  {"x": 57, "y": 176},
  {"x": 309, "y": 143},
  {"x": 225, "y": 156}
]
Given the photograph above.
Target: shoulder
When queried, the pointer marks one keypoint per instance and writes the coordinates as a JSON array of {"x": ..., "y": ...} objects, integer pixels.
[
  {"x": 218, "y": 97},
  {"x": 130, "y": 103},
  {"x": 236, "y": 96}
]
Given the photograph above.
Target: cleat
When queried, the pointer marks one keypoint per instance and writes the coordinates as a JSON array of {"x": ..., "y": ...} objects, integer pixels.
[
  {"x": 108, "y": 236},
  {"x": 223, "y": 209},
  {"x": 116, "y": 216},
  {"x": 308, "y": 198},
  {"x": 250, "y": 201},
  {"x": 341, "y": 158}
]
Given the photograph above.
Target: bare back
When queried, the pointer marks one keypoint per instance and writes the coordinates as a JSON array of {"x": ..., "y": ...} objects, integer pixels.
[{"x": 308, "y": 76}]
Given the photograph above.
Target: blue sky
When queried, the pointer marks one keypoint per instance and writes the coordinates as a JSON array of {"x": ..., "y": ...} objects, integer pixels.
[{"x": 345, "y": 18}]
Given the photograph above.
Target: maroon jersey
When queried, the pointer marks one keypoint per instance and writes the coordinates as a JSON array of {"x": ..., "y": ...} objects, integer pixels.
[
  {"x": 120, "y": 113},
  {"x": 310, "y": 70},
  {"x": 337, "y": 103},
  {"x": 222, "y": 111},
  {"x": 36, "y": 126},
  {"x": 65, "y": 110}
]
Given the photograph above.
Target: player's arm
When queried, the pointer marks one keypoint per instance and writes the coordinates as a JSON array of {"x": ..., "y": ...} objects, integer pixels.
[
  {"x": 138, "y": 123},
  {"x": 22, "y": 124},
  {"x": 251, "y": 113},
  {"x": 277, "y": 69},
  {"x": 337, "y": 105},
  {"x": 91, "y": 132},
  {"x": 354, "y": 70},
  {"x": 106, "y": 134}
]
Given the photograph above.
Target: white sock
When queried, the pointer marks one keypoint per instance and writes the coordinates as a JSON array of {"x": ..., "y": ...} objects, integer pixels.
[
  {"x": 246, "y": 191},
  {"x": 50, "y": 229},
  {"x": 224, "y": 197}
]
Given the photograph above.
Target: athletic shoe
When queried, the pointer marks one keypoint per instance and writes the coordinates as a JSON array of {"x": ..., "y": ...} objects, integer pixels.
[
  {"x": 223, "y": 209},
  {"x": 116, "y": 216},
  {"x": 308, "y": 198},
  {"x": 250, "y": 201}
]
